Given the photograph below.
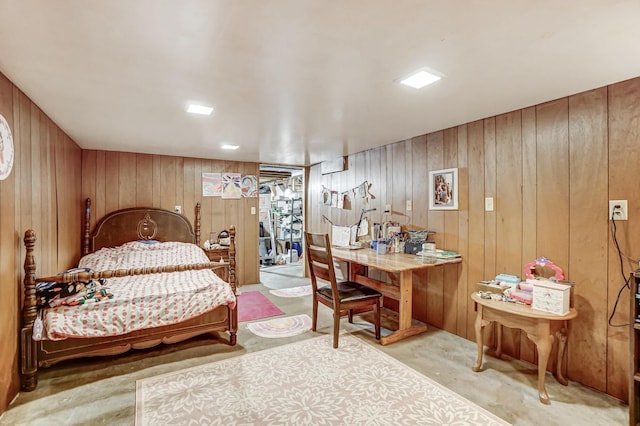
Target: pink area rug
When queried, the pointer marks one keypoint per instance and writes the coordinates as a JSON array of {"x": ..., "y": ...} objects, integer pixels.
[
  {"x": 281, "y": 327},
  {"x": 253, "y": 305}
]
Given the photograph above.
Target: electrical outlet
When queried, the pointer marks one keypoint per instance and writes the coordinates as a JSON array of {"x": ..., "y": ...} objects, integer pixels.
[
  {"x": 178, "y": 209},
  {"x": 488, "y": 204},
  {"x": 409, "y": 205},
  {"x": 618, "y": 210}
]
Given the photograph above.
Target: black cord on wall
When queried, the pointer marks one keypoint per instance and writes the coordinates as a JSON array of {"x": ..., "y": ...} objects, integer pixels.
[{"x": 624, "y": 278}]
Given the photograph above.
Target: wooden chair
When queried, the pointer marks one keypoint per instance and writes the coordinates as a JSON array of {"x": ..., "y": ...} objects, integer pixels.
[{"x": 342, "y": 297}]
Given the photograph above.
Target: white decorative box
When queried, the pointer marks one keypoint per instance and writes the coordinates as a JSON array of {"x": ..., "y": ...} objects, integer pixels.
[{"x": 551, "y": 297}]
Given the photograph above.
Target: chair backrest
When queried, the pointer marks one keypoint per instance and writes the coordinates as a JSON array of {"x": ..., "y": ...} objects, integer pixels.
[{"x": 320, "y": 260}]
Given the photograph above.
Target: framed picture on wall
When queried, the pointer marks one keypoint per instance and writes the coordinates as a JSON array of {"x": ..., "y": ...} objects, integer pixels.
[{"x": 443, "y": 189}]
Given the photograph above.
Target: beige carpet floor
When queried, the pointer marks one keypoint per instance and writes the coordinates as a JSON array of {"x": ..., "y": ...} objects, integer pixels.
[{"x": 101, "y": 391}]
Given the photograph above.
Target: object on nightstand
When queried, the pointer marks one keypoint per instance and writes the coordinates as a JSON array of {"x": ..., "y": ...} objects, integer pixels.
[{"x": 223, "y": 238}]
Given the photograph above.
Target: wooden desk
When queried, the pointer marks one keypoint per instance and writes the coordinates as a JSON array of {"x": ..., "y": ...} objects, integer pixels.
[
  {"x": 400, "y": 266},
  {"x": 540, "y": 328}
]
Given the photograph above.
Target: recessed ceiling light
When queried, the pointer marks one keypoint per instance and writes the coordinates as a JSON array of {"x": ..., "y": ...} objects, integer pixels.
[
  {"x": 199, "y": 109},
  {"x": 420, "y": 79},
  {"x": 230, "y": 147}
]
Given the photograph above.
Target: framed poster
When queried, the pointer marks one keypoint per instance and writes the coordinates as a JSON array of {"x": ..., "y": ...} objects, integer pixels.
[
  {"x": 211, "y": 184},
  {"x": 443, "y": 189},
  {"x": 249, "y": 186},
  {"x": 231, "y": 187}
]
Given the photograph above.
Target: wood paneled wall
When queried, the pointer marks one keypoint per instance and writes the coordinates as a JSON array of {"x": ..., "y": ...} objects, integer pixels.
[
  {"x": 117, "y": 180},
  {"x": 45, "y": 191},
  {"x": 551, "y": 170},
  {"x": 42, "y": 192}
]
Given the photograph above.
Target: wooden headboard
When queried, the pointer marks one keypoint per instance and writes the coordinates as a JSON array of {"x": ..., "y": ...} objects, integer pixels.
[{"x": 138, "y": 223}]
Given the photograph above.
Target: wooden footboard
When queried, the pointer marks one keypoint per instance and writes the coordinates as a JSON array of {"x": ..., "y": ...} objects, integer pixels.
[{"x": 35, "y": 354}]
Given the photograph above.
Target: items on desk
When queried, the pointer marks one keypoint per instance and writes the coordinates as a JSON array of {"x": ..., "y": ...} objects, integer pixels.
[
  {"x": 390, "y": 245},
  {"x": 412, "y": 247},
  {"x": 428, "y": 255},
  {"x": 340, "y": 235},
  {"x": 416, "y": 238},
  {"x": 389, "y": 238},
  {"x": 386, "y": 230}
]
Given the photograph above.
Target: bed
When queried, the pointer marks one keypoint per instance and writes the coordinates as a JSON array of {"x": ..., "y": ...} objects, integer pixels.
[{"x": 149, "y": 263}]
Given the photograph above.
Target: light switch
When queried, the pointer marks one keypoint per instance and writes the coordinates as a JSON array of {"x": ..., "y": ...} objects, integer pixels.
[
  {"x": 488, "y": 204},
  {"x": 253, "y": 210}
]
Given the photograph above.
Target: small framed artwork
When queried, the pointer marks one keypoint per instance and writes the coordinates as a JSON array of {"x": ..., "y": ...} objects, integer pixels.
[{"x": 443, "y": 189}]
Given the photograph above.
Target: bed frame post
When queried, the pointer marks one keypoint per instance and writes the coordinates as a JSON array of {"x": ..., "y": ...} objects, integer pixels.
[
  {"x": 233, "y": 316},
  {"x": 87, "y": 231},
  {"x": 28, "y": 346},
  {"x": 232, "y": 257},
  {"x": 197, "y": 227}
]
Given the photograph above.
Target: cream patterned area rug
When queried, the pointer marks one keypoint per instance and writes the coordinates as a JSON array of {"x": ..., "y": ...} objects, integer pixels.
[
  {"x": 304, "y": 383},
  {"x": 303, "y": 290},
  {"x": 281, "y": 327}
]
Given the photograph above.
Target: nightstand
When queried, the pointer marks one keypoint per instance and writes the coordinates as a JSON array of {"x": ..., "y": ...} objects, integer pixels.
[{"x": 214, "y": 255}]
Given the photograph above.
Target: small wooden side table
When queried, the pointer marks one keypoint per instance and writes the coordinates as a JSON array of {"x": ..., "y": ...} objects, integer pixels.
[
  {"x": 214, "y": 255},
  {"x": 540, "y": 328}
]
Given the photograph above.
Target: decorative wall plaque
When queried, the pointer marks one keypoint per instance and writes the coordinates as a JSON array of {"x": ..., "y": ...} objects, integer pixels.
[{"x": 6, "y": 149}]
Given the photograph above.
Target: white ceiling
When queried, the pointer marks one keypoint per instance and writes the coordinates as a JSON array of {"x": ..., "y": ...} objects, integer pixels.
[{"x": 301, "y": 81}]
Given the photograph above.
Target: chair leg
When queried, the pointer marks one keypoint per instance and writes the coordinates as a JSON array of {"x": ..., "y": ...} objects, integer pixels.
[
  {"x": 377, "y": 319},
  {"x": 351, "y": 316},
  {"x": 336, "y": 328},
  {"x": 314, "y": 322}
]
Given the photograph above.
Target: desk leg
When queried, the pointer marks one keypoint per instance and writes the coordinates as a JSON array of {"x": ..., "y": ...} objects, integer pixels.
[
  {"x": 544, "y": 344},
  {"x": 561, "y": 335},
  {"x": 479, "y": 326},
  {"x": 405, "y": 327}
]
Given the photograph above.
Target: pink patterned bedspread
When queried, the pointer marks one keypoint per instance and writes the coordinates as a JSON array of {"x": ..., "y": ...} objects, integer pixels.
[{"x": 141, "y": 301}]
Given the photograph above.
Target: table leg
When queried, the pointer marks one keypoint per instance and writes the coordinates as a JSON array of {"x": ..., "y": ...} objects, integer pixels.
[
  {"x": 404, "y": 306},
  {"x": 561, "y": 335},
  {"x": 499, "y": 340},
  {"x": 544, "y": 344},
  {"x": 405, "y": 327},
  {"x": 352, "y": 270},
  {"x": 479, "y": 325}
]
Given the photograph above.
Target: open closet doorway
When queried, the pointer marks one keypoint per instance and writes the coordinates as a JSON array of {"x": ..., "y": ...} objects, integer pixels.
[{"x": 281, "y": 223}]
